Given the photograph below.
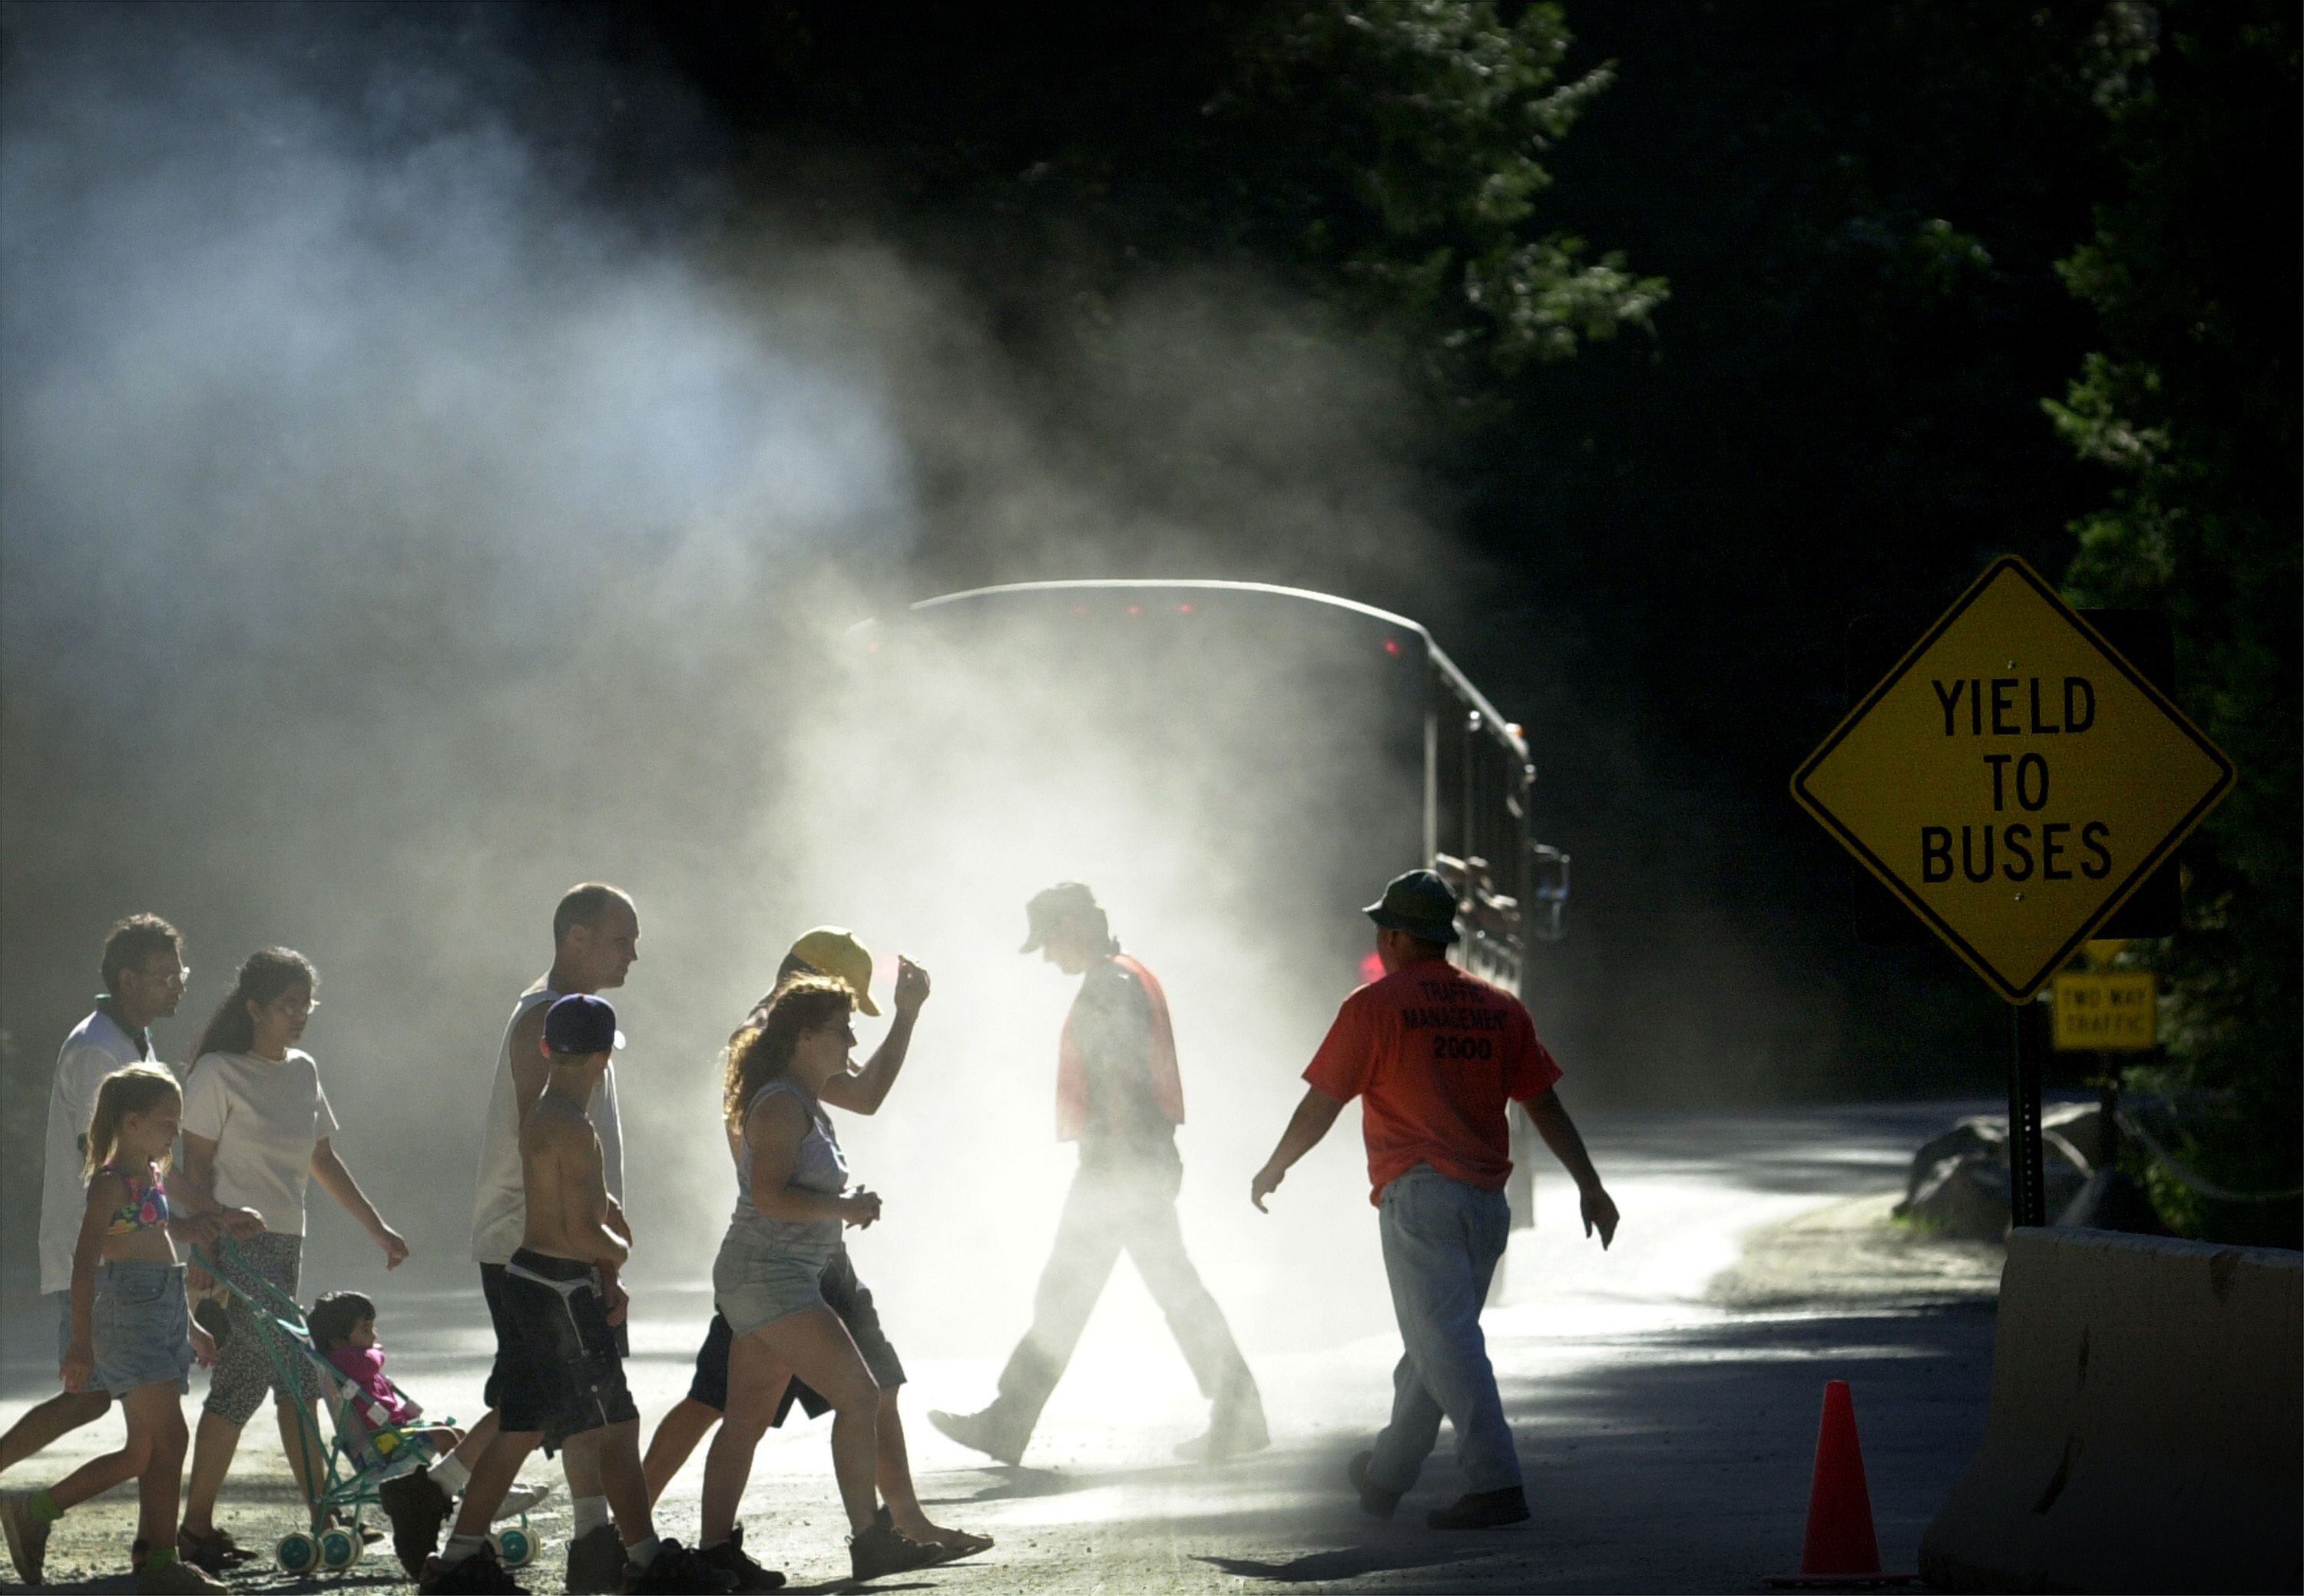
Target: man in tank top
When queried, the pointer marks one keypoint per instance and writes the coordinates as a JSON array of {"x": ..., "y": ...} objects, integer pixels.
[{"x": 596, "y": 937}]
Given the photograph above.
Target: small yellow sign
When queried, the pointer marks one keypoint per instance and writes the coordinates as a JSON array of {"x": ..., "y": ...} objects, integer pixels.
[
  {"x": 2113, "y": 1010},
  {"x": 2013, "y": 779}
]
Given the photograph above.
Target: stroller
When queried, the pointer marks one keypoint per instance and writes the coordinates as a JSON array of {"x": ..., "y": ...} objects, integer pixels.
[{"x": 369, "y": 1450}]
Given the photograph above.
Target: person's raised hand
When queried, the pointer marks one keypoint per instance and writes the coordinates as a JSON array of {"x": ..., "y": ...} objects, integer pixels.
[
  {"x": 1267, "y": 1182},
  {"x": 911, "y": 986},
  {"x": 860, "y": 1207},
  {"x": 1599, "y": 1214}
]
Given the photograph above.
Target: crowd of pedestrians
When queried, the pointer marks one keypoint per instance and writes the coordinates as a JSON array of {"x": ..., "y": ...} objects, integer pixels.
[{"x": 138, "y": 1163}]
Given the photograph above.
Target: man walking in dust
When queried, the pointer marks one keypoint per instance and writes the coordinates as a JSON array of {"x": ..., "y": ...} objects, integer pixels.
[
  {"x": 1436, "y": 1056},
  {"x": 1119, "y": 1096}
]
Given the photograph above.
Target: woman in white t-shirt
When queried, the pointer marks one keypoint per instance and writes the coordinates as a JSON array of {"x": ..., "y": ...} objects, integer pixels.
[{"x": 257, "y": 1128}]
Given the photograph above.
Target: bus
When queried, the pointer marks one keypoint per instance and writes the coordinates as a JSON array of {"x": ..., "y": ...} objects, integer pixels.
[{"x": 1241, "y": 764}]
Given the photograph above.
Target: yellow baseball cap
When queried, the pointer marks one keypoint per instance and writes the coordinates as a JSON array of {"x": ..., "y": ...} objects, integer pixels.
[{"x": 835, "y": 950}]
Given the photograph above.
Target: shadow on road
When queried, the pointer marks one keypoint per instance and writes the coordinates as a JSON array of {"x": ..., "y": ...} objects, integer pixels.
[{"x": 1323, "y": 1567}]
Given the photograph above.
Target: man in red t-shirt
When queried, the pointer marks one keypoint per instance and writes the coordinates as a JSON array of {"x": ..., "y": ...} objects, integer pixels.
[{"x": 1436, "y": 1055}]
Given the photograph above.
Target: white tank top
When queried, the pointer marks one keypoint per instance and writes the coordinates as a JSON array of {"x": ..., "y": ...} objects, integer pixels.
[{"x": 500, "y": 1204}]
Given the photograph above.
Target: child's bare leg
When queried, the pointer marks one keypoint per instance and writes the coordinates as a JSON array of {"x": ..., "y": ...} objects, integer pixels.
[
  {"x": 56, "y": 1417},
  {"x": 492, "y": 1476},
  {"x": 622, "y": 1481},
  {"x": 100, "y": 1474},
  {"x": 155, "y": 1412}
]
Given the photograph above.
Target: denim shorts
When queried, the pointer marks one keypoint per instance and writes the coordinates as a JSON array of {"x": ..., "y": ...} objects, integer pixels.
[
  {"x": 756, "y": 1281},
  {"x": 143, "y": 1328},
  {"x": 845, "y": 1296}
]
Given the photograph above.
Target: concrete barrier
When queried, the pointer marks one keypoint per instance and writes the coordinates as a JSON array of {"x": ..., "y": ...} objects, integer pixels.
[{"x": 2147, "y": 1425}]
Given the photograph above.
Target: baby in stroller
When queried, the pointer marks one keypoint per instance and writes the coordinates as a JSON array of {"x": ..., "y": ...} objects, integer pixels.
[{"x": 342, "y": 1325}]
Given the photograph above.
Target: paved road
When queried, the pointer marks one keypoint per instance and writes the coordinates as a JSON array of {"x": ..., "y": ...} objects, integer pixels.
[{"x": 1667, "y": 1438}]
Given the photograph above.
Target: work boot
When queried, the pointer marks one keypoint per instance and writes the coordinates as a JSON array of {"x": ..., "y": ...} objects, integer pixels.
[
  {"x": 596, "y": 1562},
  {"x": 986, "y": 1432},
  {"x": 27, "y": 1532},
  {"x": 175, "y": 1577},
  {"x": 728, "y": 1558},
  {"x": 676, "y": 1571},
  {"x": 1481, "y": 1510},
  {"x": 480, "y": 1574},
  {"x": 417, "y": 1508},
  {"x": 883, "y": 1549},
  {"x": 1376, "y": 1501},
  {"x": 1234, "y": 1431}
]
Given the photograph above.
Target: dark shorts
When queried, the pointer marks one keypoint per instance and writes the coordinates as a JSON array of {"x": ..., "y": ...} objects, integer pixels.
[
  {"x": 845, "y": 1296},
  {"x": 560, "y": 1364},
  {"x": 502, "y": 1380}
]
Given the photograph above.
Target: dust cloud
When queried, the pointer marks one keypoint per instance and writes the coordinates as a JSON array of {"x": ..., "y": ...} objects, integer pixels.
[{"x": 428, "y": 482}]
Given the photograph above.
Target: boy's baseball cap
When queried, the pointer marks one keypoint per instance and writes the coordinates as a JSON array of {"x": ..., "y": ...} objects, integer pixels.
[
  {"x": 1418, "y": 903},
  {"x": 835, "y": 951},
  {"x": 1050, "y": 905},
  {"x": 579, "y": 1025}
]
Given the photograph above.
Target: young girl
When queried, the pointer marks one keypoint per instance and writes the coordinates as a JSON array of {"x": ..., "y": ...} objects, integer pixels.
[
  {"x": 132, "y": 1333},
  {"x": 344, "y": 1331},
  {"x": 257, "y": 1130}
]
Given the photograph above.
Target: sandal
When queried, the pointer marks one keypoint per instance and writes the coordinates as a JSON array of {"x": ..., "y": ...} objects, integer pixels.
[
  {"x": 962, "y": 1543},
  {"x": 215, "y": 1551}
]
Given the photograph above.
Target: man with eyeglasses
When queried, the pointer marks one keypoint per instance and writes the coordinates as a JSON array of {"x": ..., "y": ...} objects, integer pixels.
[{"x": 144, "y": 979}]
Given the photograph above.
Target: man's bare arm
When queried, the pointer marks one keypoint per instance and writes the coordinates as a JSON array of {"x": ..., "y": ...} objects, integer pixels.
[
  {"x": 1306, "y": 1126},
  {"x": 1550, "y": 1119},
  {"x": 531, "y": 1071}
]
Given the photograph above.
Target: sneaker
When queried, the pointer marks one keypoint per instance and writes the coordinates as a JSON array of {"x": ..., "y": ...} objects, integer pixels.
[
  {"x": 28, "y": 1536},
  {"x": 480, "y": 1574},
  {"x": 215, "y": 1551},
  {"x": 596, "y": 1562},
  {"x": 519, "y": 1499},
  {"x": 983, "y": 1433},
  {"x": 1232, "y": 1434},
  {"x": 881, "y": 1549},
  {"x": 176, "y": 1577},
  {"x": 728, "y": 1558},
  {"x": 1376, "y": 1501},
  {"x": 1481, "y": 1510},
  {"x": 417, "y": 1508},
  {"x": 675, "y": 1568}
]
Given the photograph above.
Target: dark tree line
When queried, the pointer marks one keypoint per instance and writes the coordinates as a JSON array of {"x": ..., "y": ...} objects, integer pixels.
[{"x": 1735, "y": 322}]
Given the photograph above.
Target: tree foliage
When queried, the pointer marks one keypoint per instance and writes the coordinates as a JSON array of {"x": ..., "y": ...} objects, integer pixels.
[{"x": 2190, "y": 400}]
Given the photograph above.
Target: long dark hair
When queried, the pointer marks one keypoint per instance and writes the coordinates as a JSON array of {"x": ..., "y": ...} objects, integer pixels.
[
  {"x": 270, "y": 974},
  {"x": 759, "y": 1053}
]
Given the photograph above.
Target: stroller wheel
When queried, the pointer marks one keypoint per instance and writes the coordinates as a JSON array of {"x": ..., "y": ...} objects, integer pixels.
[
  {"x": 514, "y": 1546},
  {"x": 297, "y": 1552},
  {"x": 341, "y": 1548}
]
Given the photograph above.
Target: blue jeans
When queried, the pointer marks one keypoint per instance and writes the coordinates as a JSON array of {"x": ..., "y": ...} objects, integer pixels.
[{"x": 1442, "y": 1241}]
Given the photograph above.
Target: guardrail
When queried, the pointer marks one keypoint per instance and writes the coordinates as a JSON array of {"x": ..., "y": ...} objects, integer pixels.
[{"x": 2147, "y": 1424}]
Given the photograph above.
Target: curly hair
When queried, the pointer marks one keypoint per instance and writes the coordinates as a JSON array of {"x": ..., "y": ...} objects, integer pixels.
[
  {"x": 267, "y": 975},
  {"x": 759, "y": 1053}
]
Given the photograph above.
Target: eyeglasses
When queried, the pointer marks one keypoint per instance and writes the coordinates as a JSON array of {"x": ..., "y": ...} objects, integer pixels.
[
  {"x": 298, "y": 1011},
  {"x": 174, "y": 981}
]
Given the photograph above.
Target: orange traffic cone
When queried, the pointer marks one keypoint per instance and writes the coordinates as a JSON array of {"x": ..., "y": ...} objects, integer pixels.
[{"x": 1840, "y": 1548}]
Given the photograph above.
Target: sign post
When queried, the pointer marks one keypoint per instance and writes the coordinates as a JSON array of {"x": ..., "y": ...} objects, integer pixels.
[{"x": 2013, "y": 779}]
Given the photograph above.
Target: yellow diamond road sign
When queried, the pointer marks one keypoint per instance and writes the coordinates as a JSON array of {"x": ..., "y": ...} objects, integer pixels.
[{"x": 2013, "y": 779}]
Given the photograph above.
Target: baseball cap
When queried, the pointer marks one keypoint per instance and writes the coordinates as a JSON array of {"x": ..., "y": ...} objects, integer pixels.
[
  {"x": 1050, "y": 905},
  {"x": 1418, "y": 903},
  {"x": 837, "y": 953},
  {"x": 580, "y": 1024}
]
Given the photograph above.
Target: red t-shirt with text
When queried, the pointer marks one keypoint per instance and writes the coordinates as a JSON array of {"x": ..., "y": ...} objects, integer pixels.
[{"x": 1436, "y": 1054}]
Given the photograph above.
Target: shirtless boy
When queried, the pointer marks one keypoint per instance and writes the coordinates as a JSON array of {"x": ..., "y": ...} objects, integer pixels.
[{"x": 556, "y": 1328}]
